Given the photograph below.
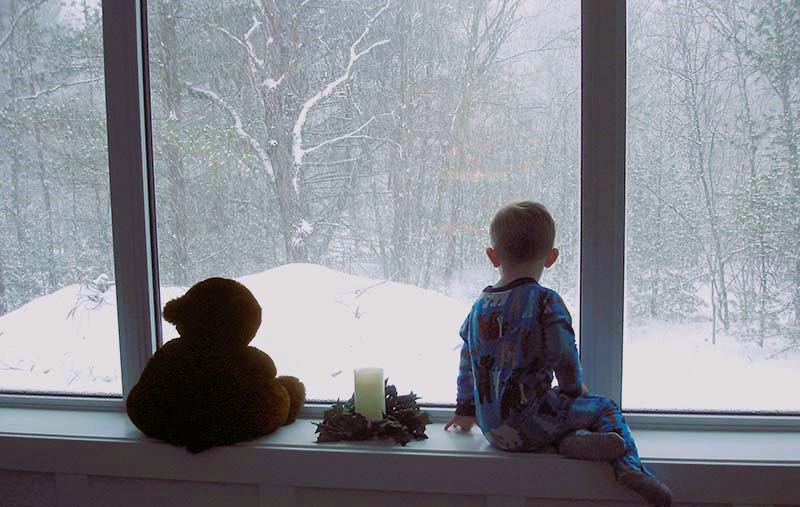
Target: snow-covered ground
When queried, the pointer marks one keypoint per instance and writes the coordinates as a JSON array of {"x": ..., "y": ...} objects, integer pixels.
[
  {"x": 670, "y": 366},
  {"x": 320, "y": 324}
]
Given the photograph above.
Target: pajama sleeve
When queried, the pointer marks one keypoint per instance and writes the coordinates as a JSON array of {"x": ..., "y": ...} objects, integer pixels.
[
  {"x": 465, "y": 398},
  {"x": 561, "y": 347}
]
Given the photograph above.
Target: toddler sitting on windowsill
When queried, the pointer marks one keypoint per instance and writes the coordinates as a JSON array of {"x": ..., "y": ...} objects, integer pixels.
[{"x": 517, "y": 335}]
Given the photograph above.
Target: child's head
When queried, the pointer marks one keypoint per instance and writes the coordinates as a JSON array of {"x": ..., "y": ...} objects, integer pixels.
[{"x": 522, "y": 233}]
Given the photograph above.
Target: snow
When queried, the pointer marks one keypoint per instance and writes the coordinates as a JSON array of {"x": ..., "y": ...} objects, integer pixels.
[
  {"x": 670, "y": 366},
  {"x": 43, "y": 348},
  {"x": 320, "y": 324}
]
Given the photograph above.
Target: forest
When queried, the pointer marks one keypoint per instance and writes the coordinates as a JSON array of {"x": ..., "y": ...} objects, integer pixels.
[{"x": 377, "y": 137}]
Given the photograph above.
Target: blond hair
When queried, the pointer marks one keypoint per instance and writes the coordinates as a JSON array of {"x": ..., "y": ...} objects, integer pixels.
[{"x": 522, "y": 232}]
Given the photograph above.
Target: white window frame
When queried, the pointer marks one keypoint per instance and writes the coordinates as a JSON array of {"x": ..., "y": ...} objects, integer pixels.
[{"x": 603, "y": 115}]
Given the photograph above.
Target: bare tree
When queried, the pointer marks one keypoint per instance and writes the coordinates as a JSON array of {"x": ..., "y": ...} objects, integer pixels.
[
  {"x": 166, "y": 63},
  {"x": 490, "y": 23},
  {"x": 288, "y": 95}
]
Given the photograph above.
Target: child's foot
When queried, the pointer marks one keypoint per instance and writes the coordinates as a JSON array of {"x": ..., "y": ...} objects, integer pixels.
[
  {"x": 655, "y": 492},
  {"x": 583, "y": 444}
]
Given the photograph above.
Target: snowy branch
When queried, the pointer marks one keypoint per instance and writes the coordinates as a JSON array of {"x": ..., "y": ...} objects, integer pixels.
[
  {"x": 334, "y": 163},
  {"x": 299, "y": 8},
  {"x": 297, "y": 132},
  {"x": 339, "y": 138},
  {"x": 388, "y": 141},
  {"x": 455, "y": 115},
  {"x": 17, "y": 18},
  {"x": 238, "y": 126},
  {"x": 271, "y": 83},
  {"x": 794, "y": 346},
  {"x": 244, "y": 43},
  {"x": 261, "y": 9},
  {"x": 547, "y": 46},
  {"x": 57, "y": 87},
  {"x": 249, "y": 33},
  {"x": 255, "y": 61}
]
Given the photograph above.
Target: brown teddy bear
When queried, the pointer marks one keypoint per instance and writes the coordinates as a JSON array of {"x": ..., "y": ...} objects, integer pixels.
[{"x": 209, "y": 387}]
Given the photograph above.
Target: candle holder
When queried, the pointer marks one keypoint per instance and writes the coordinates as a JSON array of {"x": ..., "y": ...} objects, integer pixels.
[{"x": 402, "y": 421}]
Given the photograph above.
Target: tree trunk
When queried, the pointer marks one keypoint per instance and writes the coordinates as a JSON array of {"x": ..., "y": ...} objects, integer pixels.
[
  {"x": 399, "y": 183},
  {"x": 458, "y": 141},
  {"x": 3, "y": 297},
  {"x": 703, "y": 168},
  {"x": 179, "y": 238},
  {"x": 279, "y": 112},
  {"x": 51, "y": 278}
]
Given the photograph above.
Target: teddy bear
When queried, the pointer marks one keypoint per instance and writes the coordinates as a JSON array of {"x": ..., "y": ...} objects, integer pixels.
[{"x": 208, "y": 387}]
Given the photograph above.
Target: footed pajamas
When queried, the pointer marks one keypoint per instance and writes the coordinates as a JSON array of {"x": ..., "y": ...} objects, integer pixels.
[{"x": 515, "y": 338}]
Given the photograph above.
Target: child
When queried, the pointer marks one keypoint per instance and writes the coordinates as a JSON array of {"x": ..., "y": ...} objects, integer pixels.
[{"x": 516, "y": 336}]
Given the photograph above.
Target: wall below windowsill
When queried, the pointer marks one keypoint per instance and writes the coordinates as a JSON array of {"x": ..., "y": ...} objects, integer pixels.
[{"x": 700, "y": 466}]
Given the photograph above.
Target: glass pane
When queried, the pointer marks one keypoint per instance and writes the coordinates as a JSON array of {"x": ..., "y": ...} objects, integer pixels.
[
  {"x": 713, "y": 198},
  {"x": 58, "y": 317},
  {"x": 343, "y": 160}
]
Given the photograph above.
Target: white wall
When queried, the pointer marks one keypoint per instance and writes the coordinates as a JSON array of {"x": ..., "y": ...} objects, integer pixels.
[
  {"x": 26, "y": 489},
  {"x": 72, "y": 458}
]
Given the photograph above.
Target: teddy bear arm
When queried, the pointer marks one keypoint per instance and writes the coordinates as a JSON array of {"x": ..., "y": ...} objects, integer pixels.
[
  {"x": 297, "y": 395},
  {"x": 260, "y": 362},
  {"x": 170, "y": 364},
  {"x": 259, "y": 413}
]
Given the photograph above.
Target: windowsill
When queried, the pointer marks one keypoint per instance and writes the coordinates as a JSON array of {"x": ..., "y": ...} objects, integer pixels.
[{"x": 713, "y": 466}]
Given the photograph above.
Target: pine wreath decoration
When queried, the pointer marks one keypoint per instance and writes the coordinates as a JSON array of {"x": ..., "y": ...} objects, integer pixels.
[{"x": 404, "y": 420}]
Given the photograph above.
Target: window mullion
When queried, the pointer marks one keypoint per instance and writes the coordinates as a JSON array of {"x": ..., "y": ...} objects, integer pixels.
[
  {"x": 124, "y": 47},
  {"x": 602, "y": 193}
]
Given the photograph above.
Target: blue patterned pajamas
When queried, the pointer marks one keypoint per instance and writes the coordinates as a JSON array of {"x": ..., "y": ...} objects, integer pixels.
[
  {"x": 516, "y": 338},
  {"x": 602, "y": 415}
]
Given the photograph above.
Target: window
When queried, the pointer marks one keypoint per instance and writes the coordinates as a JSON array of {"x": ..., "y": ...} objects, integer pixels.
[
  {"x": 712, "y": 274},
  {"x": 349, "y": 179},
  {"x": 344, "y": 164},
  {"x": 58, "y": 324}
]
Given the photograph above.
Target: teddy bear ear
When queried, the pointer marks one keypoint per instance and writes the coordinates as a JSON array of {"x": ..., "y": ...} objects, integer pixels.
[{"x": 172, "y": 310}]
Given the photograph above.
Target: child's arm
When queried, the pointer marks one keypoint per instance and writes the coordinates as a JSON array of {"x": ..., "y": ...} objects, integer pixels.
[
  {"x": 562, "y": 350},
  {"x": 465, "y": 399}
]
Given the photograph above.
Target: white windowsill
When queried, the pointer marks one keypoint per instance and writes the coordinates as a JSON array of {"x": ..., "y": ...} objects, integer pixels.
[{"x": 700, "y": 466}]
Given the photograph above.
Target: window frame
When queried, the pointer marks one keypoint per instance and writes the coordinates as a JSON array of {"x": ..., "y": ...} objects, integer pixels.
[
  {"x": 603, "y": 95},
  {"x": 130, "y": 156},
  {"x": 603, "y": 131}
]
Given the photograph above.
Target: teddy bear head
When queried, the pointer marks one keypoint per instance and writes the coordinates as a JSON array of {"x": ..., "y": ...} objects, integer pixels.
[{"x": 217, "y": 311}]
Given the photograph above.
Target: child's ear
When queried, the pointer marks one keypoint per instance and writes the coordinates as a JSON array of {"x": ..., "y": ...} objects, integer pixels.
[
  {"x": 491, "y": 253},
  {"x": 552, "y": 257}
]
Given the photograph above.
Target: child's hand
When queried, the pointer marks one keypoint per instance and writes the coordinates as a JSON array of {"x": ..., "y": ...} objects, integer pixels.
[{"x": 465, "y": 422}]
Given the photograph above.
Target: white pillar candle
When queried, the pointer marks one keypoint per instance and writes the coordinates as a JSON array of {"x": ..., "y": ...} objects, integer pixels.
[{"x": 369, "y": 393}]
